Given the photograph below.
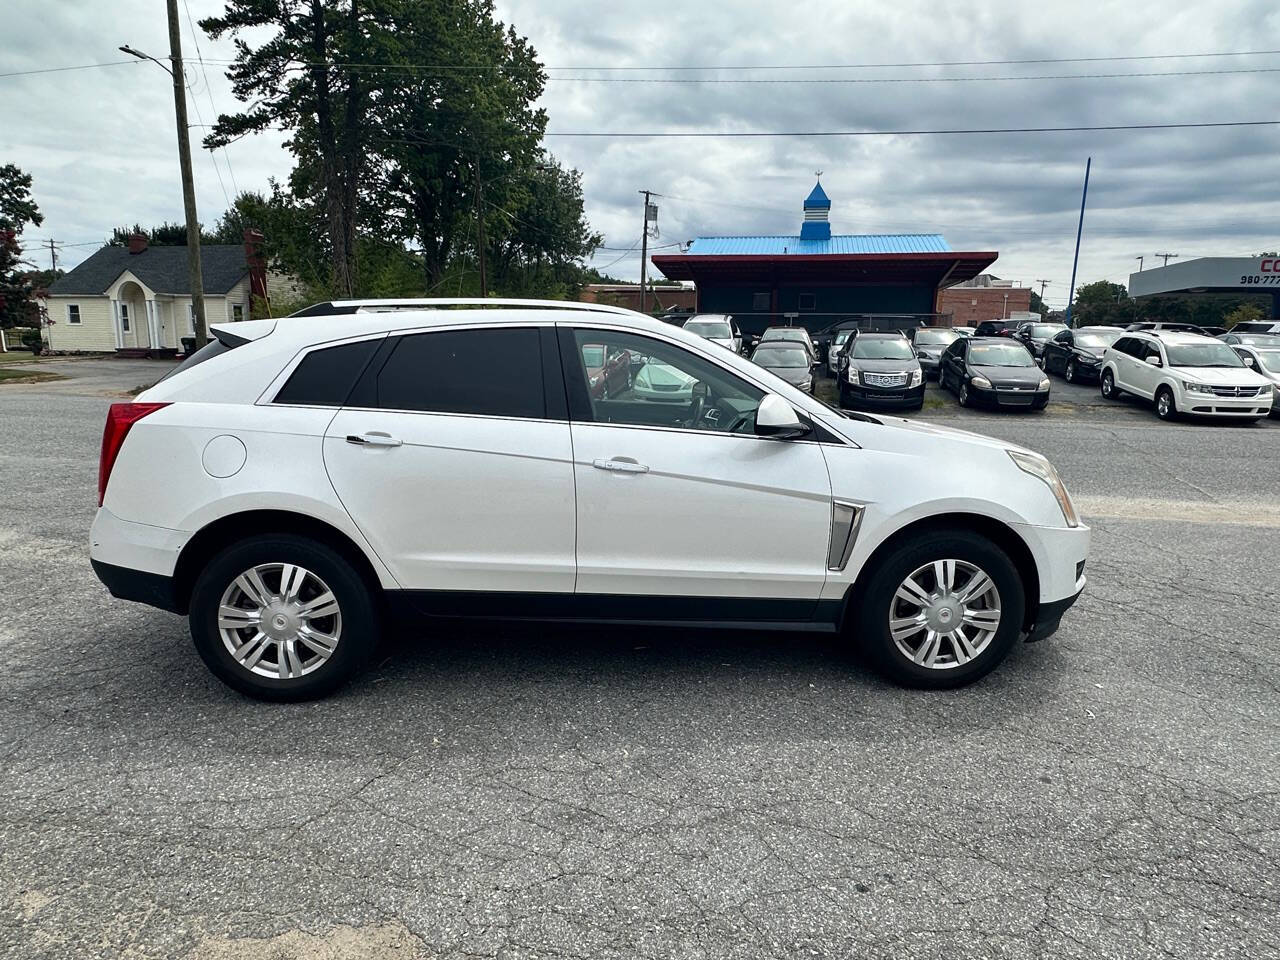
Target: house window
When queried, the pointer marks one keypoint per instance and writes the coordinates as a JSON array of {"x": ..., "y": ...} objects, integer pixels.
[
  {"x": 73, "y": 314},
  {"x": 191, "y": 319},
  {"x": 808, "y": 301},
  {"x": 124, "y": 318},
  {"x": 761, "y": 302},
  {"x": 237, "y": 312}
]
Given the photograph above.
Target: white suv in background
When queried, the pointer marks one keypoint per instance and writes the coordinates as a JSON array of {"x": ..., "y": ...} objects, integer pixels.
[
  {"x": 298, "y": 482},
  {"x": 1184, "y": 373}
]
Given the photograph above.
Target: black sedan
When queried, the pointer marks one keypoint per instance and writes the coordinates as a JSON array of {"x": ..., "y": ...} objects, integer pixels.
[
  {"x": 1077, "y": 354},
  {"x": 993, "y": 371}
]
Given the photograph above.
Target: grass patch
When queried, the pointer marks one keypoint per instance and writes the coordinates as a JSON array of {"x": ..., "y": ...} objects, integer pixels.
[
  {"x": 14, "y": 356},
  {"x": 22, "y": 376}
]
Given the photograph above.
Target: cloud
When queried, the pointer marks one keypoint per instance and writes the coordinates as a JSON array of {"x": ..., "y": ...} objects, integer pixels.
[{"x": 101, "y": 144}]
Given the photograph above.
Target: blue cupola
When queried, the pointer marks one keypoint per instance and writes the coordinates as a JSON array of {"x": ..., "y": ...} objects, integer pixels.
[{"x": 816, "y": 208}]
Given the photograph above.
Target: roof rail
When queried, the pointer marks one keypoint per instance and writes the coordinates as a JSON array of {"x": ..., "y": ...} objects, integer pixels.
[{"x": 430, "y": 303}]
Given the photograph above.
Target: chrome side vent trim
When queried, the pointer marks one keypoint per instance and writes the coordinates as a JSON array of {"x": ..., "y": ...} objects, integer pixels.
[{"x": 845, "y": 519}]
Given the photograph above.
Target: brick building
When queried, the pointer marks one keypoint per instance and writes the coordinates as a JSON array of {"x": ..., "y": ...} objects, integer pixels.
[
  {"x": 661, "y": 296},
  {"x": 983, "y": 298}
]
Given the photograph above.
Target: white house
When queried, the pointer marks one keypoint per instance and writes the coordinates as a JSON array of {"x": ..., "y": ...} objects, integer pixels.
[{"x": 137, "y": 298}]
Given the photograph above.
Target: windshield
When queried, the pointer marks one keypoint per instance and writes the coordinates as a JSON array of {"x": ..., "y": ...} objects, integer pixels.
[
  {"x": 932, "y": 337},
  {"x": 1044, "y": 331},
  {"x": 843, "y": 335},
  {"x": 1097, "y": 341},
  {"x": 1268, "y": 340},
  {"x": 1000, "y": 355},
  {"x": 1270, "y": 360},
  {"x": 710, "y": 328},
  {"x": 785, "y": 333},
  {"x": 1210, "y": 353},
  {"x": 781, "y": 357},
  {"x": 865, "y": 348}
]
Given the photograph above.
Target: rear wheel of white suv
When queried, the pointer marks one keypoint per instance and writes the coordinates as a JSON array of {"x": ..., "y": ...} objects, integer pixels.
[
  {"x": 941, "y": 610},
  {"x": 282, "y": 617}
]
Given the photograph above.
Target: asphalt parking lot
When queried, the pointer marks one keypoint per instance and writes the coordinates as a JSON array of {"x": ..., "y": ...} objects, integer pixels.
[{"x": 1111, "y": 792}]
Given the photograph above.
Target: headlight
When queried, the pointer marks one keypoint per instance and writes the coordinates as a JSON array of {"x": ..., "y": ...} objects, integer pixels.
[
  {"x": 982, "y": 383},
  {"x": 1089, "y": 358},
  {"x": 1038, "y": 466},
  {"x": 917, "y": 377},
  {"x": 853, "y": 373},
  {"x": 1044, "y": 384},
  {"x": 1193, "y": 387}
]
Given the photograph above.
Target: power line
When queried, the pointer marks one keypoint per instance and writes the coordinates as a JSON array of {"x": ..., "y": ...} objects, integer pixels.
[
  {"x": 742, "y": 134},
  {"x": 79, "y": 66},
  {"x": 850, "y": 80},
  {"x": 226, "y": 157}
]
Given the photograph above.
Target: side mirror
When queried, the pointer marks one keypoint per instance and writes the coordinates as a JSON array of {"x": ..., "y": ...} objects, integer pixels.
[
  {"x": 1154, "y": 361},
  {"x": 776, "y": 419},
  {"x": 921, "y": 355}
]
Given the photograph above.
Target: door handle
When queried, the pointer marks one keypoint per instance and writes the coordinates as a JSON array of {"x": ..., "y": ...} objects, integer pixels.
[
  {"x": 620, "y": 465},
  {"x": 374, "y": 438}
]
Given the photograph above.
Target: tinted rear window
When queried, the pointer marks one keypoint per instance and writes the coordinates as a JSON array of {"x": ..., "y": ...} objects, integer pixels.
[
  {"x": 325, "y": 377},
  {"x": 210, "y": 350},
  {"x": 492, "y": 372}
]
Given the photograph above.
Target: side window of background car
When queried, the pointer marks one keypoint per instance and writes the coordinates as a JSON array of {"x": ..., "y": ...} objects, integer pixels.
[
  {"x": 488, "y": 372},
  {"x": 1064, "y": 337},
  {"x": 647, "y": 382}
]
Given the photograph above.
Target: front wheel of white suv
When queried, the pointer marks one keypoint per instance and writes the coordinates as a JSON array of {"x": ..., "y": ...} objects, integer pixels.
[
  {"x": 941, "y": 610},
  {"x": 282, "y": 617}
]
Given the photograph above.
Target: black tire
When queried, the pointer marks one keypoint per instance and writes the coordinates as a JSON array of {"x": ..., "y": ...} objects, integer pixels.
[
  {"x": 963, "y": 394},
  {"x": 1069, "y": 374},
  {"x": 871, "y": 620},
  {"x": 355, "y": 598},
  {"x": 1107, "y": 384},
  {"x": 844, "y": 395},
  {"x": 1166, "y": 405}
]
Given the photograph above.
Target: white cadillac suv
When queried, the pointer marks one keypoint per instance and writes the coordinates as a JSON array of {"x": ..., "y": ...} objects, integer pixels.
[
  {"x": 1184, "y": 373},
  {"x": 297, "y": 483}
]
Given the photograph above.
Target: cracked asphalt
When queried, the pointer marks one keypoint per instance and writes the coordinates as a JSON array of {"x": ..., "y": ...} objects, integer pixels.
[{"x": 593, "y": 793}]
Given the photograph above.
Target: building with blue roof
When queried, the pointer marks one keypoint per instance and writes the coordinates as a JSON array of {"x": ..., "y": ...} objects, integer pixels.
[{"x": 816, "y": 278}]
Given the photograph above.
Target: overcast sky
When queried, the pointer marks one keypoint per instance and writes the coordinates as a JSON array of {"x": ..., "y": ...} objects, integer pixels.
[{"x": 100, "y": 142}]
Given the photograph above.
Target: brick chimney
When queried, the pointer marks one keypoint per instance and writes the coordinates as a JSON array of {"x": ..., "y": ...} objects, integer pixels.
[
  {"x": 137, "y": 242},
  {"x": 257, "y": 262}
]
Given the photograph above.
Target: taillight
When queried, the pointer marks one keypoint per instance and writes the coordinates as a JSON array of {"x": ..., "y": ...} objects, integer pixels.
[{"x": 120, "y": 418}]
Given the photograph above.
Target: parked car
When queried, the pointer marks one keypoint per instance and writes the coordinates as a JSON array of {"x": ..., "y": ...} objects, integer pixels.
[
  {"x": 793, "y": 334},
  {"x": 1266, "y": 361},
  {"x": 786, "y": 360},
  {"x": 997, "y": 328},
  {"x": 658, "y": 382},
  {"x": 1185, "y": 373},
  {"x": 929, "y": 342},
  {"x": 965, "y": 331},
  {"x": 1263, "y": 340},
  {"x": 1077, "y": 354},
  {"x": 1164, "y": 325},
  {"x": 1256, "y": 326},
  {"x": 1035, "y": 335},
  {"x": 716, "y": 327},
  {"x": 836, "y": 348},
  {"x": 882, "y": 371},
  {"x": 298, "y": 483},
  {"x": 994, "y": 372}
]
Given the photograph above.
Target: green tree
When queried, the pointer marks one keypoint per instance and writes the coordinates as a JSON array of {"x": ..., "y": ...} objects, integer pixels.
[
  {"x": 17, "y": 210},
  {"x": 1244, "y": 313},
  {"x": 1102, "y": 303},
  {"x": 163, "y": 235}
]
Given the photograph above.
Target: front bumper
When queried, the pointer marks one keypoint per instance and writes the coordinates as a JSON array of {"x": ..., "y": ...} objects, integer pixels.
[
  {"x": 930, "y": 365},
  {"x": 1012, "y": 399},
  {"x": 884, "y": 396},
  {"x": 1088, "y": 371},
  {"x": 1212, "y": 405},
  {"x": 1059, "y": 554},
  {"x": 1048, "y": 618}
]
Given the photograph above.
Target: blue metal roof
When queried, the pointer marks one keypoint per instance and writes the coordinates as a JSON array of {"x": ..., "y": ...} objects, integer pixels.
[
  {"x": 817, "y": 197},
  {"x": 838, "y": 244}
]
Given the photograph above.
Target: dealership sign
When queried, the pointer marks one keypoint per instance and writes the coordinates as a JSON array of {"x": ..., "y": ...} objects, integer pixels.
[{"x": 1208, "y": 274}]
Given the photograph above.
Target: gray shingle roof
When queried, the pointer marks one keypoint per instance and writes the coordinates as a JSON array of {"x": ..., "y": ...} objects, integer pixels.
[{"x": 163, "y": 269}]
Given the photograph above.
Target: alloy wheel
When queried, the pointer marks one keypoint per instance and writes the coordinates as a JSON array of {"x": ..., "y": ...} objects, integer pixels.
[
  {"x": 964, "y": 394},
  {"x": 944, "y": 614},
  {"x": 1164, "y": 404},
  {"x": 279, "y": 620},
  {"x": 1108, "y": 385},
  {"x": 1070, "y": 373}
]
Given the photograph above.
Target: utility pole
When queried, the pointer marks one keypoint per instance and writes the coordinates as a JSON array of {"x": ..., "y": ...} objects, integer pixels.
[
  {"x": 184, "y": 162},
  {"x": 53, "y": 256},
  {"x": 1005, "y": 314},
  {"x": 1140, "y": 259},
  {"x": 644, "y": 252},
  {"x": 1075, "y": 261},
  {"x": 1043, "y": 284},
  {"x": 1167, "y": 257}
]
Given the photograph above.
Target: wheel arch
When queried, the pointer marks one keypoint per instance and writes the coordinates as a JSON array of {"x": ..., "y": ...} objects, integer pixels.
[
  {"x": 997, "y": 531},
  {"x": 224, "y": 531}
]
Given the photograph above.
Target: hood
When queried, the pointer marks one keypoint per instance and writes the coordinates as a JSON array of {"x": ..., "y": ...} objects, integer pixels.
[
  {"x": 793, "y": 375},
  {"x": 885, "y": 366},
  {"x": 900, "y": 431},
  {"x": 932, "y": 349},
  {"x": 1014, "y": 376},
  {"x": 723, "y": 341},
  {"x": 1221, "y": 376}
]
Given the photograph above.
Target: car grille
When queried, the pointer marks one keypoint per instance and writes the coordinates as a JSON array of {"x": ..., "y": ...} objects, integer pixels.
[
  {"x": 885, "y": 379},
  {"x": 1014, "y": 399},
  {"x": 1235, "y": 391},
  {"x": 666, "y": 387}
]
